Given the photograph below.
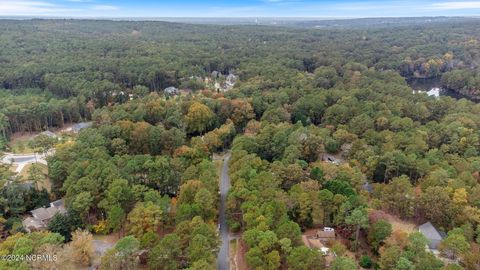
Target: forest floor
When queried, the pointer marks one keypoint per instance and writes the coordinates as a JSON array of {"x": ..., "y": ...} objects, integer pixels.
[{"x": 19, "y": 142}]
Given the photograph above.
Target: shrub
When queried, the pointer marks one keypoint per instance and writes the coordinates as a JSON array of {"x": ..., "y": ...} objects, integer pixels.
[{"x": 365, "y": 262}]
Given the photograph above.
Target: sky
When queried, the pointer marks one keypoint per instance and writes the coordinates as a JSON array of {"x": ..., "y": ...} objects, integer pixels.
[{"x": 237, "y": 8}]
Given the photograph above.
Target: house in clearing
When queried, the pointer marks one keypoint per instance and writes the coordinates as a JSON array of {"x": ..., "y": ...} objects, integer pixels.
[
  {"x": 171, "y": 90},
  {"x": 230, "y": 81},
  {"x": 433, "y": 236},
  {"x": 48, "y": 133},
  {"x": 325, "y": 235},
  {"x": 41, "y": 216},
  {"x": 79, "y": 126},
  {"x": 331, "y": 159},
  {"x": 367, "y": 187}
]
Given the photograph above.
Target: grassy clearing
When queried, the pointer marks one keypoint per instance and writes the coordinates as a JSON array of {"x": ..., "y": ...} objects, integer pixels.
[
  {"x": 108, "y": 238},
  {"x": 233, "y": 254},
  {"x": 13, "y": 168},
  {"x": 218, "y": 166},
  {"x": 401, "y": 225},
  {"x": 45, "y": 184},
  {"x": 19, "y": 143}
]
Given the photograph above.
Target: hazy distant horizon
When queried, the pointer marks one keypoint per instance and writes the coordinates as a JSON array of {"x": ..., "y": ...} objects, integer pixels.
[
  {"x": 180, "y": 18},
  {"x": 326, "y": 9}
]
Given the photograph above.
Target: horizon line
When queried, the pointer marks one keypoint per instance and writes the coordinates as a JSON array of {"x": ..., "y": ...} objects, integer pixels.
[{"x": 2, "y": 17}]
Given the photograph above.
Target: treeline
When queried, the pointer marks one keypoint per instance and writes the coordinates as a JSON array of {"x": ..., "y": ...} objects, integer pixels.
[
  {"x": 35, "y": 111},
  {"x": 465, "y": 82}
]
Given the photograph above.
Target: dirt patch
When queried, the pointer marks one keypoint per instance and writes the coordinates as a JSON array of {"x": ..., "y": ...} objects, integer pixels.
[
  {"x": 218, "y": 166},
  {"x": 108, "y": 238},
  {"x": 232, "y": 255},
  {"x": 240, "y": 259},
  {"x": 13, "y": 168},
  {"x": 102, "y": 243},
  {"x": 310, "y": 232},
  {"x": 401, "y": 225}
]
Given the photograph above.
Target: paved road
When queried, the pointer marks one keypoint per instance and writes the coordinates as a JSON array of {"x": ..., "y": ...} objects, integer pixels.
[
  {"x": 21, "y": 160},
  {"x": 223, "y": 260}
]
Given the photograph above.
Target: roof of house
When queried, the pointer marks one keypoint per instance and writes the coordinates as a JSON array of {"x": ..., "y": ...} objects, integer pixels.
[
  {"x": 429, "y": 231},
  {"x": 331, "y": 158},
  {"x": 58, "y": 203},
  {"x": 43, "y": 213},
  {"x": 30, "y": 222},
  {"x": 77, "y": 127},
  {"x": 367, "y": 187},
  {"x": 41, "y": 216},
  {"x": 171, "y": 90},
  {"x": 325, "y": 234},
  {"x": 49, "y": 134}
]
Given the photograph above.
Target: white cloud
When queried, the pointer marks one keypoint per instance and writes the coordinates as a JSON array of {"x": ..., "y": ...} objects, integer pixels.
[
  {"x": 26, "y": 8},
  {"x": 103, "y": 7},
  {"x": 456, "y": 5}
]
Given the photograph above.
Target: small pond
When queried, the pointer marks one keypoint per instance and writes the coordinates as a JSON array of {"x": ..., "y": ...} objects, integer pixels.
[{"x": 433, "y": 87}]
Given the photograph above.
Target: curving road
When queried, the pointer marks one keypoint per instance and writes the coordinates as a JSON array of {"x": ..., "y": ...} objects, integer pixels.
[
  {"x": 223, "y": 259},
  {"x": 21, "y": 160}
]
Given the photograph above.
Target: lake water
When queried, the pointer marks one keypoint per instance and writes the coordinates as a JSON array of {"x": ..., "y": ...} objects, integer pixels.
[{"x": 433, "y": 87}]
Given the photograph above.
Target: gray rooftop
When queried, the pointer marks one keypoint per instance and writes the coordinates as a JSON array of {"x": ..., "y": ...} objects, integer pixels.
[
  {"x": 79, "y": 126},
  {"x": 171, "y": 90},
  {"x": 32, "y": 224},
  {"x": 45, "y": 214},
  {"x": 367, "y": 187},
  {"x": 48, "y": 133},
  {"x": 432, "y": 234},
  {"x": 58, "y": 203},
  {"x": 41, "y": 216}
]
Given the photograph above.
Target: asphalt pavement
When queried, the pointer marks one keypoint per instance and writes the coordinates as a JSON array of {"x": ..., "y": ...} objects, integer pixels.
[{"x": 223, "y": 259}]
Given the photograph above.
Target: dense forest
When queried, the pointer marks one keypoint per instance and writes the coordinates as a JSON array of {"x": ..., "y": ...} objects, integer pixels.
[
  {"x": 60, "y": 70},
  {"x": 145, "y": 170}
]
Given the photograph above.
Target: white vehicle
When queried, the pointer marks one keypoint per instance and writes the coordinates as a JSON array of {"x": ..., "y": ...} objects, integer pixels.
[
  {"x": 328, "y": 229},
  {"x": 325, "y": 251}
]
